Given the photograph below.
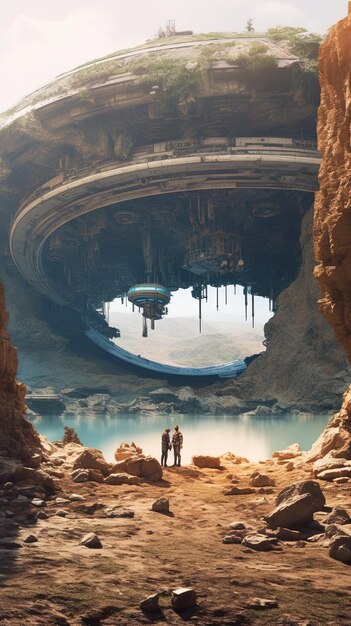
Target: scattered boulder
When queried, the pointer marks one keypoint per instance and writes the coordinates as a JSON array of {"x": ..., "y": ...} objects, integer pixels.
[
  {"x": 337, "y": 516},
  {"x": 237, "y": 526},
  {"x": 143, "y": 466},
  {"x": 61, "y": 513},
  {"x": 183, "y": 598},
  {"x": 238, "y": 491},
  {"x": 294, "y": 512},
  {"x": 127, "y": 450},
  {"x": 161, "y": 505},
  {"x": 93, "y": 459},
  {"x": 211, "y": 462},
  {"x": 122, "y": 479},
  {"x": 291, "y": 452},
  {"x": 261, "y": 480},
  {"x": 287, "y": 534},
  {"x": 150, "y": 603},
  {"x": 38, "y": 502},
  {"x": 42, "y": 515},
  {"x": 91, "y": 540},
  {"x": 258, "y": 542},
  {"x": 340, "y": 548},
  {"x": 306, "y": 486},
  {"x": 235, "y": 536},
  {"x": 30, "y": 539}
]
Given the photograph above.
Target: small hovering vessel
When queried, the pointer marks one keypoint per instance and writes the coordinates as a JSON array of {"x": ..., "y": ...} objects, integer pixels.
[{"x": 152, "y": 298}]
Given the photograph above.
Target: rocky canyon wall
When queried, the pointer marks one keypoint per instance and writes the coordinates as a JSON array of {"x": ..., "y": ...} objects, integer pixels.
[
  {"x": 332, "y": 224},
  {"x": 303, "y": 366},
  {"x": 18, "y": 439}
]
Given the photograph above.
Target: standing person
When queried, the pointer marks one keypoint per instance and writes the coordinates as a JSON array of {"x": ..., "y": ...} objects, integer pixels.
[
  {"x": 177, "y": 442},
  {"x": 165, "y": 446}
]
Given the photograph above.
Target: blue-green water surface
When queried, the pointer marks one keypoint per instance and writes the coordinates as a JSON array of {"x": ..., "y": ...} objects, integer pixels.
[{"x": 254, "y": 437}]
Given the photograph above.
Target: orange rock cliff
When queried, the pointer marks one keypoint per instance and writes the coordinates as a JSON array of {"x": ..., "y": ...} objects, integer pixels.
[
  {"x": 18, "y": 438},
  {"x": 332, "y": 220}
]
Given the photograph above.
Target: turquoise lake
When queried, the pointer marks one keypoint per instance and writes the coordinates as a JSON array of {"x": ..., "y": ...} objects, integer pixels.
[{"x": 254, "y": 437}]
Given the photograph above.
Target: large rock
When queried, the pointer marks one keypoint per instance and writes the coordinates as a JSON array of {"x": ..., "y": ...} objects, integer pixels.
[
  {"x": 127, "y": 450},
  {"x": 211, "y": 462},
  {"x": 143, "y": 466},
  {"x": 90, "y": 458},
  {"x": 310, "y": 487},
  {"x": 337, "y": 472},
  {"x": 295, "y": 512}
]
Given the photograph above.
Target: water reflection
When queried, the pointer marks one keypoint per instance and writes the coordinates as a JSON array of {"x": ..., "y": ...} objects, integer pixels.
[{"x": 254, "y": 437}]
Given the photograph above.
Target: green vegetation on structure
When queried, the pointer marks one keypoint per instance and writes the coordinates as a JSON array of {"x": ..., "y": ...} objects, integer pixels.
[{"x": 176, "y": 80}]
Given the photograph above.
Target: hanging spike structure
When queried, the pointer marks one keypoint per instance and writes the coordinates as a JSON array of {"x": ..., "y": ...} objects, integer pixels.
[
  {"x": 152, "y": 324},
  {"x": 253, "y": 309},
  {"x": 226, "y": 294},
  {"x": 144, "y": 327},
  {"x": 245, "y": 294},
  {"x": 217, "y": 304},
  {"x": 234, "y": 289},
  {"x": 200, "y": 317}
]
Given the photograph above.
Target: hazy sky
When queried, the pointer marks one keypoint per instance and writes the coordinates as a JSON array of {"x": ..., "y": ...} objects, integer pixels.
[{"x": 41, "y": 38}]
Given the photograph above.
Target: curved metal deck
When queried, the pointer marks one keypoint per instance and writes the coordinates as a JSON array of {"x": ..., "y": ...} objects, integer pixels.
[{"x": 225, "y": 370}]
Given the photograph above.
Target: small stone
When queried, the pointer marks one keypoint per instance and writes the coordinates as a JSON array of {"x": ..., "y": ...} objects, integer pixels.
[
  {"x": 232, "y": 539},
  {"x": 30, "y": 539},
  {"x": 238, "y": 491},
  {"x": 237, "y": 526},
  {"x": 150, "y": 603},
  {"x": 161, "y": 505},
  {"x": 21, "y": 500},
  {"x": 122, "y": 478},
  {"x": 61, "y": 513},
  {"x": 91, "y": 540},
  {"x": 38, "y": 502},
  {"x": 42, "y": 515},
  {"x": 337, "y": 516},
  {"x": 261, "y": 480},
  {"x": 8, "y": 486},
  {"x": 258, "y": 542},
  {"x": 61, "y": 500},
  {"x": 9, "y": 514},
  {"x": 262, "y": 603},
  {"x": 75, "y": 497},
  {"x": 183, "y": 598}
]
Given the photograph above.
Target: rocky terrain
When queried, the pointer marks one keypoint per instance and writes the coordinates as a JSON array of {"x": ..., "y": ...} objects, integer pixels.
[{"x": 115, "y": 543}]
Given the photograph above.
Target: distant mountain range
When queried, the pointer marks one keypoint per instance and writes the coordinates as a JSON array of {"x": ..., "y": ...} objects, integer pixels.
[{"x": 177, "y": 340}]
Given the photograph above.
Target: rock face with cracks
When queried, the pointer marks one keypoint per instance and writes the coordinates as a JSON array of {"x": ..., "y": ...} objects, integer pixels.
[
  {"x": 332, "y": 224},
  {"x": 18, "y": 438}
]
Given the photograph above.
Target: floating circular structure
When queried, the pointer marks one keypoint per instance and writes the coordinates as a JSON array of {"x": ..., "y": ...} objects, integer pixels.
[{"x": 154, "y": 162}]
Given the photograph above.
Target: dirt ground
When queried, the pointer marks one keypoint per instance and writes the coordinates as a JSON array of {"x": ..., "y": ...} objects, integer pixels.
[{"x": 57, "y": 582}]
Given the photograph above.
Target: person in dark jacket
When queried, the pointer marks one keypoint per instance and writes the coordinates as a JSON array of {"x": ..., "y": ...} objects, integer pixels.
[
  {"x": 165, "y": 446},
  {"x": 177, "y": 443}
]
